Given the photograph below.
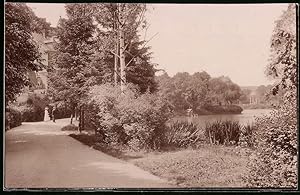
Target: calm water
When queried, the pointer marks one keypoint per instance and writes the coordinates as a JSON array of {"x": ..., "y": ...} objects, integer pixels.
[{"x": 246, "y": 117}]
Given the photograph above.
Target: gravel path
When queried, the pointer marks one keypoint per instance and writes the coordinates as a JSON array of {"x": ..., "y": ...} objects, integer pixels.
[{"x": 39, "y": 155}]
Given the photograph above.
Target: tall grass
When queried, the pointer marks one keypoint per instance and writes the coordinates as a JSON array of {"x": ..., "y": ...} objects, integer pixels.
[
  {"x": 247, "y": 136},
  {"x": 183, "y": 134},
  {"x": 223, "y": 132}
]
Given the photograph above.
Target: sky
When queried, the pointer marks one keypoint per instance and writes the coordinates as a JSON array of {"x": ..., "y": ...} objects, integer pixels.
[{"x": 230, "y": 40}]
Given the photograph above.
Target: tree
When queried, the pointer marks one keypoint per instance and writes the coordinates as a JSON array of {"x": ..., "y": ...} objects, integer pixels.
[
  {"x": 184, "y": 91},
  {"x": 245, "y": 96},
  {"x": 119, "y": 25},
  {"x": 283, "y": 64},
  {"x": 223, "y": 91},
  {"x": 73, "y": 73},
  {"x": 140, "y": 71},
  {"x": 274, "y": 163},
  {"x": 21, "y": 52}
]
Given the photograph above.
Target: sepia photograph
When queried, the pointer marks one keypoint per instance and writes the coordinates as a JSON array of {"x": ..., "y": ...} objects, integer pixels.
[{"x": 150, "y": 96}]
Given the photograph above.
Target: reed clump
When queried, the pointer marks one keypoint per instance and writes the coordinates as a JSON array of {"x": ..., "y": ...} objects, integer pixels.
[{"x": 223, "y": 132}]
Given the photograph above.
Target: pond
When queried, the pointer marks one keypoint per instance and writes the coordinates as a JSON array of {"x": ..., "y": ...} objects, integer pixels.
[{"x": 246, "y": 117}]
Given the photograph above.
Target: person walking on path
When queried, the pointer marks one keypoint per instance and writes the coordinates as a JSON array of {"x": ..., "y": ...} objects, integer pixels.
[
  {"x": 46, "y": 115},
  {"x": 53, "y": 113}
]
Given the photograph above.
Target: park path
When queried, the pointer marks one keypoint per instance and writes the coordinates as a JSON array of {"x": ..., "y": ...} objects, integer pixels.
[{"x": 40, "y": 155}]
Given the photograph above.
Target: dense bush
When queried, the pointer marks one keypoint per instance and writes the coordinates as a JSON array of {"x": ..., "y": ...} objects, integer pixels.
[
  {"x": 223, "y": 132},
  {"x": 13, "y": 118},
  {"x": 182, "y": 134},
  {"x": 34, "y": 108},
  {"x": 70, "y": 127},
  {"x": 62, "y": 110},
  {"x": 31, "y": 113},
  {"x": 247, "y": 137},
  {"x": 274, "y": 163},
  {"x": 127, "y": 118}
]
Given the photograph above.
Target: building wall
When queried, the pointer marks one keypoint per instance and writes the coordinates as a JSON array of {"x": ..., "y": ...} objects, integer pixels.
[{"x": 46, "y": 47}]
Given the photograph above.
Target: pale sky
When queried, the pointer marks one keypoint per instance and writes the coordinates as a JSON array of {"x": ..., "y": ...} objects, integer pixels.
[{"x": 230, "y": 40}]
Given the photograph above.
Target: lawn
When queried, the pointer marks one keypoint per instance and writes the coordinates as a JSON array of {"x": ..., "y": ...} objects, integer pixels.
[{"x": 207, "y": 166}]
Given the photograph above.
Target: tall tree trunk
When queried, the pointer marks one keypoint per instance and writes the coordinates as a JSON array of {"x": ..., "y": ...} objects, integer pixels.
[
  {"x": 116, "y": 65},
  {"x": 72, "y": 114},
  {"x": 122, "y": 50},
  {"x": 116, "y": 51},
  {"x": 80, "y": 120},
  {"x": 122, "y": 61},
  {"x": 71, "y": 122}
]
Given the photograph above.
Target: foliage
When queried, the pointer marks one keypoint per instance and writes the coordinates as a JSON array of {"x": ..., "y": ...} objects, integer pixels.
[
  {"x": 274, "y": 164},
  {"x": 223, "y": 132},
  {"x": 69, "y": 127},
  {"x": 140, "y": 72},
  {"x": 139, "y": 69},
  {"x": 62, "y": 110},
  {"x": 13, "y": 118},
  {"x": 247, "y": 137},
  {"x": 184, "y": 91},
  {"x": 245, "y": 96},
  {"x": 21, "y": 52},
  {"x": 131, "y": 119},
  {"x": 31, "y": 113},
  {"x": 73, "y": 74},
  {"x": 204, "y": 167},
  {"x": 263, "y": 95},
  {"x": 34, "y": 108},
  {"x": 283, "y": 61},
  {"x": 223, "y": 91},
  {"x": 182, "y": 134}
]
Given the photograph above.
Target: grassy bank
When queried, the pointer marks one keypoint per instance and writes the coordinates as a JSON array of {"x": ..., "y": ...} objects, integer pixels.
[
  {"x": 256, "y": 106},
  {"x": 207, "y": 166}
]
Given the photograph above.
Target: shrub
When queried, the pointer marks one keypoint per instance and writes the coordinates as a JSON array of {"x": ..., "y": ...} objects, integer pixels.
[
  {"x": 223, "y": 132},
  {"x": 62, "y": 110},
  {"x": 70, "y": 127},
  {"x": 247, "y": 137},
  {"x": 274, "y": 162},
  {"x": 34, "y": 108},
  {"x": 12, "y": 118},
  {"x": 32, "y": 113},
  {"x": 182, "y": 134},
  {"x": 131, "y": 119}
]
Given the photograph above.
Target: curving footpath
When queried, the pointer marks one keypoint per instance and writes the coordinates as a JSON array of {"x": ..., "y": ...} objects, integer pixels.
[{"x": 39, "y": 155}]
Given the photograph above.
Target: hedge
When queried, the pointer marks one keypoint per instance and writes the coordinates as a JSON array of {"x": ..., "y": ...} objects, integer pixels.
[{"x": 13, "y": 118}]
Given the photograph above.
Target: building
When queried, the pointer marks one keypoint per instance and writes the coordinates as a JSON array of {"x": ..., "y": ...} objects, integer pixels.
[
  {"x": 254, "y": 99},
  {"x": 46, "y": 47}
]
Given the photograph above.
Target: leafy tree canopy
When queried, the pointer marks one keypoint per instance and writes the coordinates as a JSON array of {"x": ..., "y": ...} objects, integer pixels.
[
  {"x": 283, "y": 65},
  {"x": 21, "y": 52}
]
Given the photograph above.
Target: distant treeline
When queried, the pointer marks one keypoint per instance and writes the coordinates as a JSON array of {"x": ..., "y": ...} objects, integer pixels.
[
  {"x": 200, "y": 92},
  {"x": 204, "y": 94}
]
